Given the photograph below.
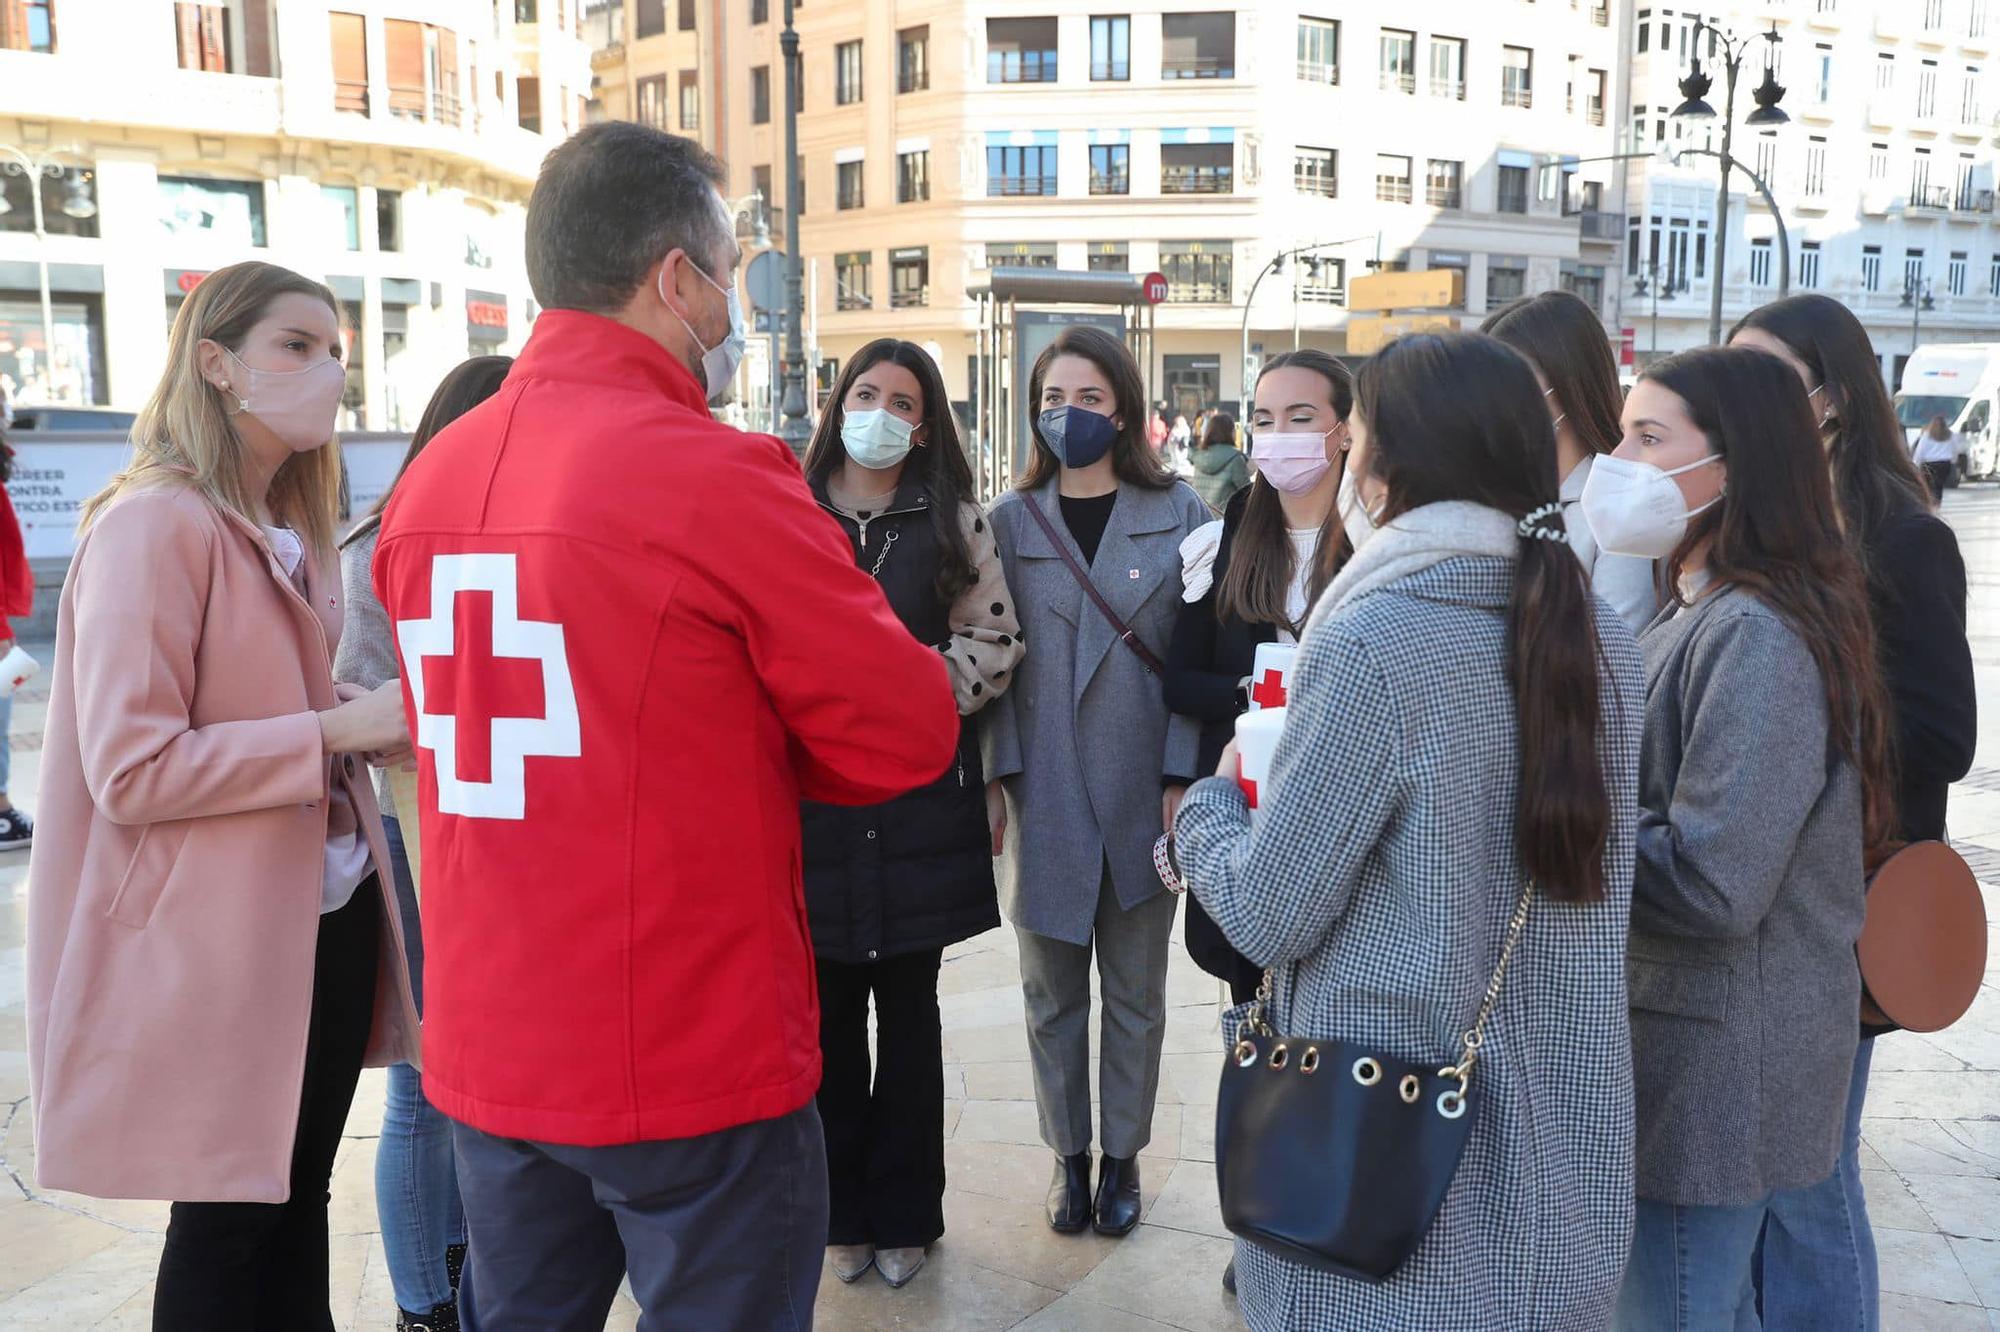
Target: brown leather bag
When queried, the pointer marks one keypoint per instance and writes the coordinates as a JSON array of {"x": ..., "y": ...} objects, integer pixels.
[{"x": 1923, "y": 945}]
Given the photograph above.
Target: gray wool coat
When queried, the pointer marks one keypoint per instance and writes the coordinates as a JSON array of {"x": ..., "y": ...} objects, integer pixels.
[
  {"x": 1746, "y": 905},
  {"x": 1083, "y": 738}
]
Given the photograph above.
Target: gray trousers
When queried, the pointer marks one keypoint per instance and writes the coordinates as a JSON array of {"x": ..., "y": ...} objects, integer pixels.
[
  {"x": 725, "y": 1230},
  {"x": 1131, "y": 948}
]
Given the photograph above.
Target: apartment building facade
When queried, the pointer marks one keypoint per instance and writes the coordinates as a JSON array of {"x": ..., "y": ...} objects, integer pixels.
[
  {"x": 385, "y": 146},
  {"x": 940, "y": 140},
  {"x": 1883, "y": 177}
]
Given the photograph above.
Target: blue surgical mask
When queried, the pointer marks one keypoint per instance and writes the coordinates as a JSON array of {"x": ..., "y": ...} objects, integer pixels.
[
  {"x": 718, "y": 363},
  {"x": 875, "y": 439},
  {"x": 1076, "y": 435}
]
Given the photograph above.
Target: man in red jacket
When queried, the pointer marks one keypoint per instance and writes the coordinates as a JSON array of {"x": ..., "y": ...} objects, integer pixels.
[{"x": 631, "y": 643}]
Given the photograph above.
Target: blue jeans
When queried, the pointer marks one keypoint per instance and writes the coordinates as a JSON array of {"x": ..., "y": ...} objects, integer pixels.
[
  {"x": 416, "y": 1175},
  {"x": 1691, "y": 1269},
  {"x": 1818, "y": 1264}
]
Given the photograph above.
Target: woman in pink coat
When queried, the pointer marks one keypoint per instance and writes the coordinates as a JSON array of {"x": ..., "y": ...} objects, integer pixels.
[{"x": 211, "y": 951}]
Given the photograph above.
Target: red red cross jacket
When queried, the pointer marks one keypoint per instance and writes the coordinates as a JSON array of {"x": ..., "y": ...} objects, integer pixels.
[{"x": 630, "y": 644}]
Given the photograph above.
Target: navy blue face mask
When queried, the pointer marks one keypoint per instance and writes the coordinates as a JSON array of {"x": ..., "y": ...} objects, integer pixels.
[{"x": 1077, "y": 435}]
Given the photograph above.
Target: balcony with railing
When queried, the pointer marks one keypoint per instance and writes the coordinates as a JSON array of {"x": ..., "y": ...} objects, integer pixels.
[
  {"x": 350, "y": 97},
  {"x": 1012, "y": 187},
  {"x": 1393, "y": 189},
  {"x": 1451, "y": 89},
  {"x": 1600, "y": 14},
  {"x": 1196, "y": 180},
  {"x": 1444, "y": 196},
  {"x": 1399, "y": 81},
  {"x": 1319, "y": 71},
  {"x": 1517, "y": 95},
  {"x": 1594, "y": 225},
  {"x": 1198, "y": 67},
  {"x": 1930, "y": 198},
  {"x": 1973, "y": 202}
]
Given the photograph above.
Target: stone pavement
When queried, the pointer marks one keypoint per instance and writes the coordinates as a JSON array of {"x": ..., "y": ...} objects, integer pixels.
[{"x": 1932, "y": 1141}]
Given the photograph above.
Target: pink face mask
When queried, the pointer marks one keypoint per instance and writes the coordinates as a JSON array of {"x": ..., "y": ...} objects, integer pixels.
[
  {"x": 1292, "y": 461},
  {"x": 298, "y": 406}
]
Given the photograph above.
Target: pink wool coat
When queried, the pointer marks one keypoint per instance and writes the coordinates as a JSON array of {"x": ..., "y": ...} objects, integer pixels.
[{"x": 173, "y": 896}]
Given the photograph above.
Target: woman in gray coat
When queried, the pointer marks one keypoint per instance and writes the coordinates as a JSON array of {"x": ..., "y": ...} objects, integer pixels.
[
  {"x": 1086, "y": 765},
  {"x": 1764, "y": 778},
  {"x": 1462, "y": 739}
]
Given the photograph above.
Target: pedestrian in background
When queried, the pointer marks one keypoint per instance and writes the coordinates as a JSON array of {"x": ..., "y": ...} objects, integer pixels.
[
  {"x": 1219, "y": 468},
  {"x": 1937, "y": 453},
  {"x": 212, "y": 952},
  {"x": 416, "y": 1179},
  {"x": 620, "y": 1014},
  {"x": 1764, "y": 783},
  {"x": 17, "y": 601},
  {"x": 1461, "y": 747},
  {"x": 1563, "y": 339},
  {"x": 1818, "y": 1262},
  {"x": 1180, "y": 439},
  {"x": 1250, "y": 577},
  {"x": 1157, "y": 431},
  {"x": 889, "y": 886},
  {"x": 1090, "y": 543}
]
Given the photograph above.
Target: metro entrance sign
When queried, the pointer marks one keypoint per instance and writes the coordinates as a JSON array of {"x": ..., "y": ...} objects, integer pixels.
[{"x": 1153, "y": 287}]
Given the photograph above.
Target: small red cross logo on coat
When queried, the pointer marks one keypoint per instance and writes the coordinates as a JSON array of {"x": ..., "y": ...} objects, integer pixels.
[{"x": 1270, "y": 691}]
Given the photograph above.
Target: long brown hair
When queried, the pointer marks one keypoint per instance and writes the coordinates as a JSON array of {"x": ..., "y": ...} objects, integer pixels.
[
  {"x": 1776, "y": 535},
  {"x": 1459, "y": 416},
  {"x": 941, "y": 463},
  {"x": 1937, "y": 429},
  {"x": 184, "y": 434},
  {"x": 1261, "y": 554},
  {"x": 1132, "y": 456},
  {"x": 1563, "y": 338},
  {"x": 468, "y": 384}
]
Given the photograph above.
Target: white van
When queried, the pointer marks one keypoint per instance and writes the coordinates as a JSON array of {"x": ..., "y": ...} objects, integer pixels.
[{"x": 1959, "y": 381}]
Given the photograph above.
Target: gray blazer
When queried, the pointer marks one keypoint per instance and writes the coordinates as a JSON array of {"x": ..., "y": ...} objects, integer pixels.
[
  {"x": 1084, "y": 736},
  {"x": 366, "y": 655},
  {"x": 1746, "y": 905}
]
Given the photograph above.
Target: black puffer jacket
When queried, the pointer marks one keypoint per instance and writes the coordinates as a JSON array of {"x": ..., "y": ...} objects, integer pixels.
[{"x": 915, "y": 872}]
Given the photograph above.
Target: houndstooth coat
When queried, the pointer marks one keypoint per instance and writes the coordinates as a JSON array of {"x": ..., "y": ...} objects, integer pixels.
[{"x": 1379, "y": 882}]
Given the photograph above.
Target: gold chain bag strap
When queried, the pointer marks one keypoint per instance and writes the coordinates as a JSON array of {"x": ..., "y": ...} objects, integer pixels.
[{"x": 1340, "y": 1158}]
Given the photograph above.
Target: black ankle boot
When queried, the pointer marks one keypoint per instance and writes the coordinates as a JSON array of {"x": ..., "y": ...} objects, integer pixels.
[
  {"x": 1069, "y": 1194},
  {"x": 444, "y": 1318},
  {"x": 454, "y": 1264},
  {"x": 1117, "y": 1195}
]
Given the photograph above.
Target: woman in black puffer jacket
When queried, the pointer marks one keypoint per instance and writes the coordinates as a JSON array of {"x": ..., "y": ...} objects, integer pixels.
[{"x": 889, "y": 886}]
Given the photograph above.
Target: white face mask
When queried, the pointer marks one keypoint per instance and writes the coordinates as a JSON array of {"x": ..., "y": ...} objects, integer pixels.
[
  {"x": 1634, "y": 508},
  {"x": 718, "y": 363},
  {"x": 1354, "y": 515},
  {"x": 875, "y": 439}
]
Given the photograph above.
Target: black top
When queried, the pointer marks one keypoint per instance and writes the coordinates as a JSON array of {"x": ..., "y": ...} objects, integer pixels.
[
  {"x": 1086, "y": 520},
  {"x": 1920, "y": 625}
]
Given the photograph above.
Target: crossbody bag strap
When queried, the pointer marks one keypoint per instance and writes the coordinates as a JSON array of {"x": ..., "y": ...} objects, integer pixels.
[{"x": 1082, "y": 576}]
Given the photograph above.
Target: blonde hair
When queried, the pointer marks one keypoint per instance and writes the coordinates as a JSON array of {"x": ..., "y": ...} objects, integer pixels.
[{"x": 184, "y": 434}]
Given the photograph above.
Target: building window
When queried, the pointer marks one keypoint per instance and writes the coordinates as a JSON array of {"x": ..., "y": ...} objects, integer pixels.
[
  {"x": 1316, "y": 171},
  {"x": 1111, "y": 48},
  {"x": 1968, "y": 102},
  {"x": 1767, "y": 155},
  {"x": 1197, "y": 168},
  {"x": 686, "y": 20},
  {"x": 850, "y": 185},
  {"x": 341, "y": 210},
  {"x": 1927, "y": 90},
  {"x": 760, "y": 185},
  {"x": 227, "y": 211},
  {"x": 690, "y": 90},
  {"x": 653, "y": 101},
  {"x": 760, "y": 12},
  {"x": 1399, "y": 61},
  {"x": 1975, "y": 23},
  {"x": 1197, "y": 272},
  {"x": 69, "y": 203},
  {"x": 913, "y": 176},
  {"x": 1809, "y": 265},
  {"x": 1198, "y": 46},
  {"x": 1320, "y": 280},
  {"x": 528, "y": 102},
  {"x": 201, "y": 34},
  {"x": 760, "y": 95},
  {"x": 29, "y": 25},
  {"x": 1816, "y": 166},
  {"x": 1020, "y": 254},
  {"x": 1319, "y": 50},
  {"x": 389, "y": 220},
  {"x": 349, "y": 45},
  {"x": 1645, "y": 31},
  {"x": 1878, "y": 161},
  {"x": 913, "y": 59},
  {"x": 852, "y": 281},
  {"x": 1012, "y": 171},
  {"x": 847, "y": 73},
  {"x": 1586, "y": 281},
  {"x": 1885, "y": 71},
  {"x": 650, "y": 20},
  {"x": 1993, "y": 277},
  {"x": 1593, "y": 97},
  {"x": 1392, "y": 178},
  {"x": 909, "y": 278},
  {"x": 1933, "y": 15},
  {"x": 1506, "y": 280},
  {"x": 1111, "y": 257},
  {"x": 1954, "y": 281},
  {"x": 1871, "y": 268},
  {"x": 1913, "y": 269},
  {"x": 1760, "y": 262},
  {"x": 1513, "y": 195},
  {"x": 1823, "y": 77},
  {"x": 422, "y": 67},
  {"x": 1444, "y": 184},
  {"x": 1920, "y": 179},
  {"x": 1110, "y": 168},
  {"x": 1020, "y": 50},
  {"x": 1517, "y": 77},
  {"x": 1448, "y": 68}
]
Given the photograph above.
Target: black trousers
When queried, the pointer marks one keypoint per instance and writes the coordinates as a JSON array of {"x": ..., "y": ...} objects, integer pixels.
[
  {"x": 885, "y": 1143},
  {"x": 261, "y": 1267},
  {"x": 1939, "y": 476}
]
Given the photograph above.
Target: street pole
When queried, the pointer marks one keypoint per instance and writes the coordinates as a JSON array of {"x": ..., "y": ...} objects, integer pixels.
[
  {"x": 34, "y": 168},
  {"x": 795, "y": 431},
  {"x": 1768, "y": 94},
  {"x": 1250, "y": 301},
  {"x": 1763, "y": 189},
  {"x": 1733, "y": 62}
]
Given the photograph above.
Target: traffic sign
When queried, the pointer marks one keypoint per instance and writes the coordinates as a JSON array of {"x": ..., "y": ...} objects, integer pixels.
[
  {"x": 1368, "y": 334},
  {"x": 1430, "y": 289},
  {"x": 764, "y": 281}
]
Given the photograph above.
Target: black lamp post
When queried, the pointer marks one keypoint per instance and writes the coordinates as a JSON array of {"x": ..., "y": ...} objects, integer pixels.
[
  {"x": 1694, "y": 88},
  {"x": 795, "y": 431},
  {"x": 1918, "y": 301},
  {"x": 1660, "y": 286}
]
